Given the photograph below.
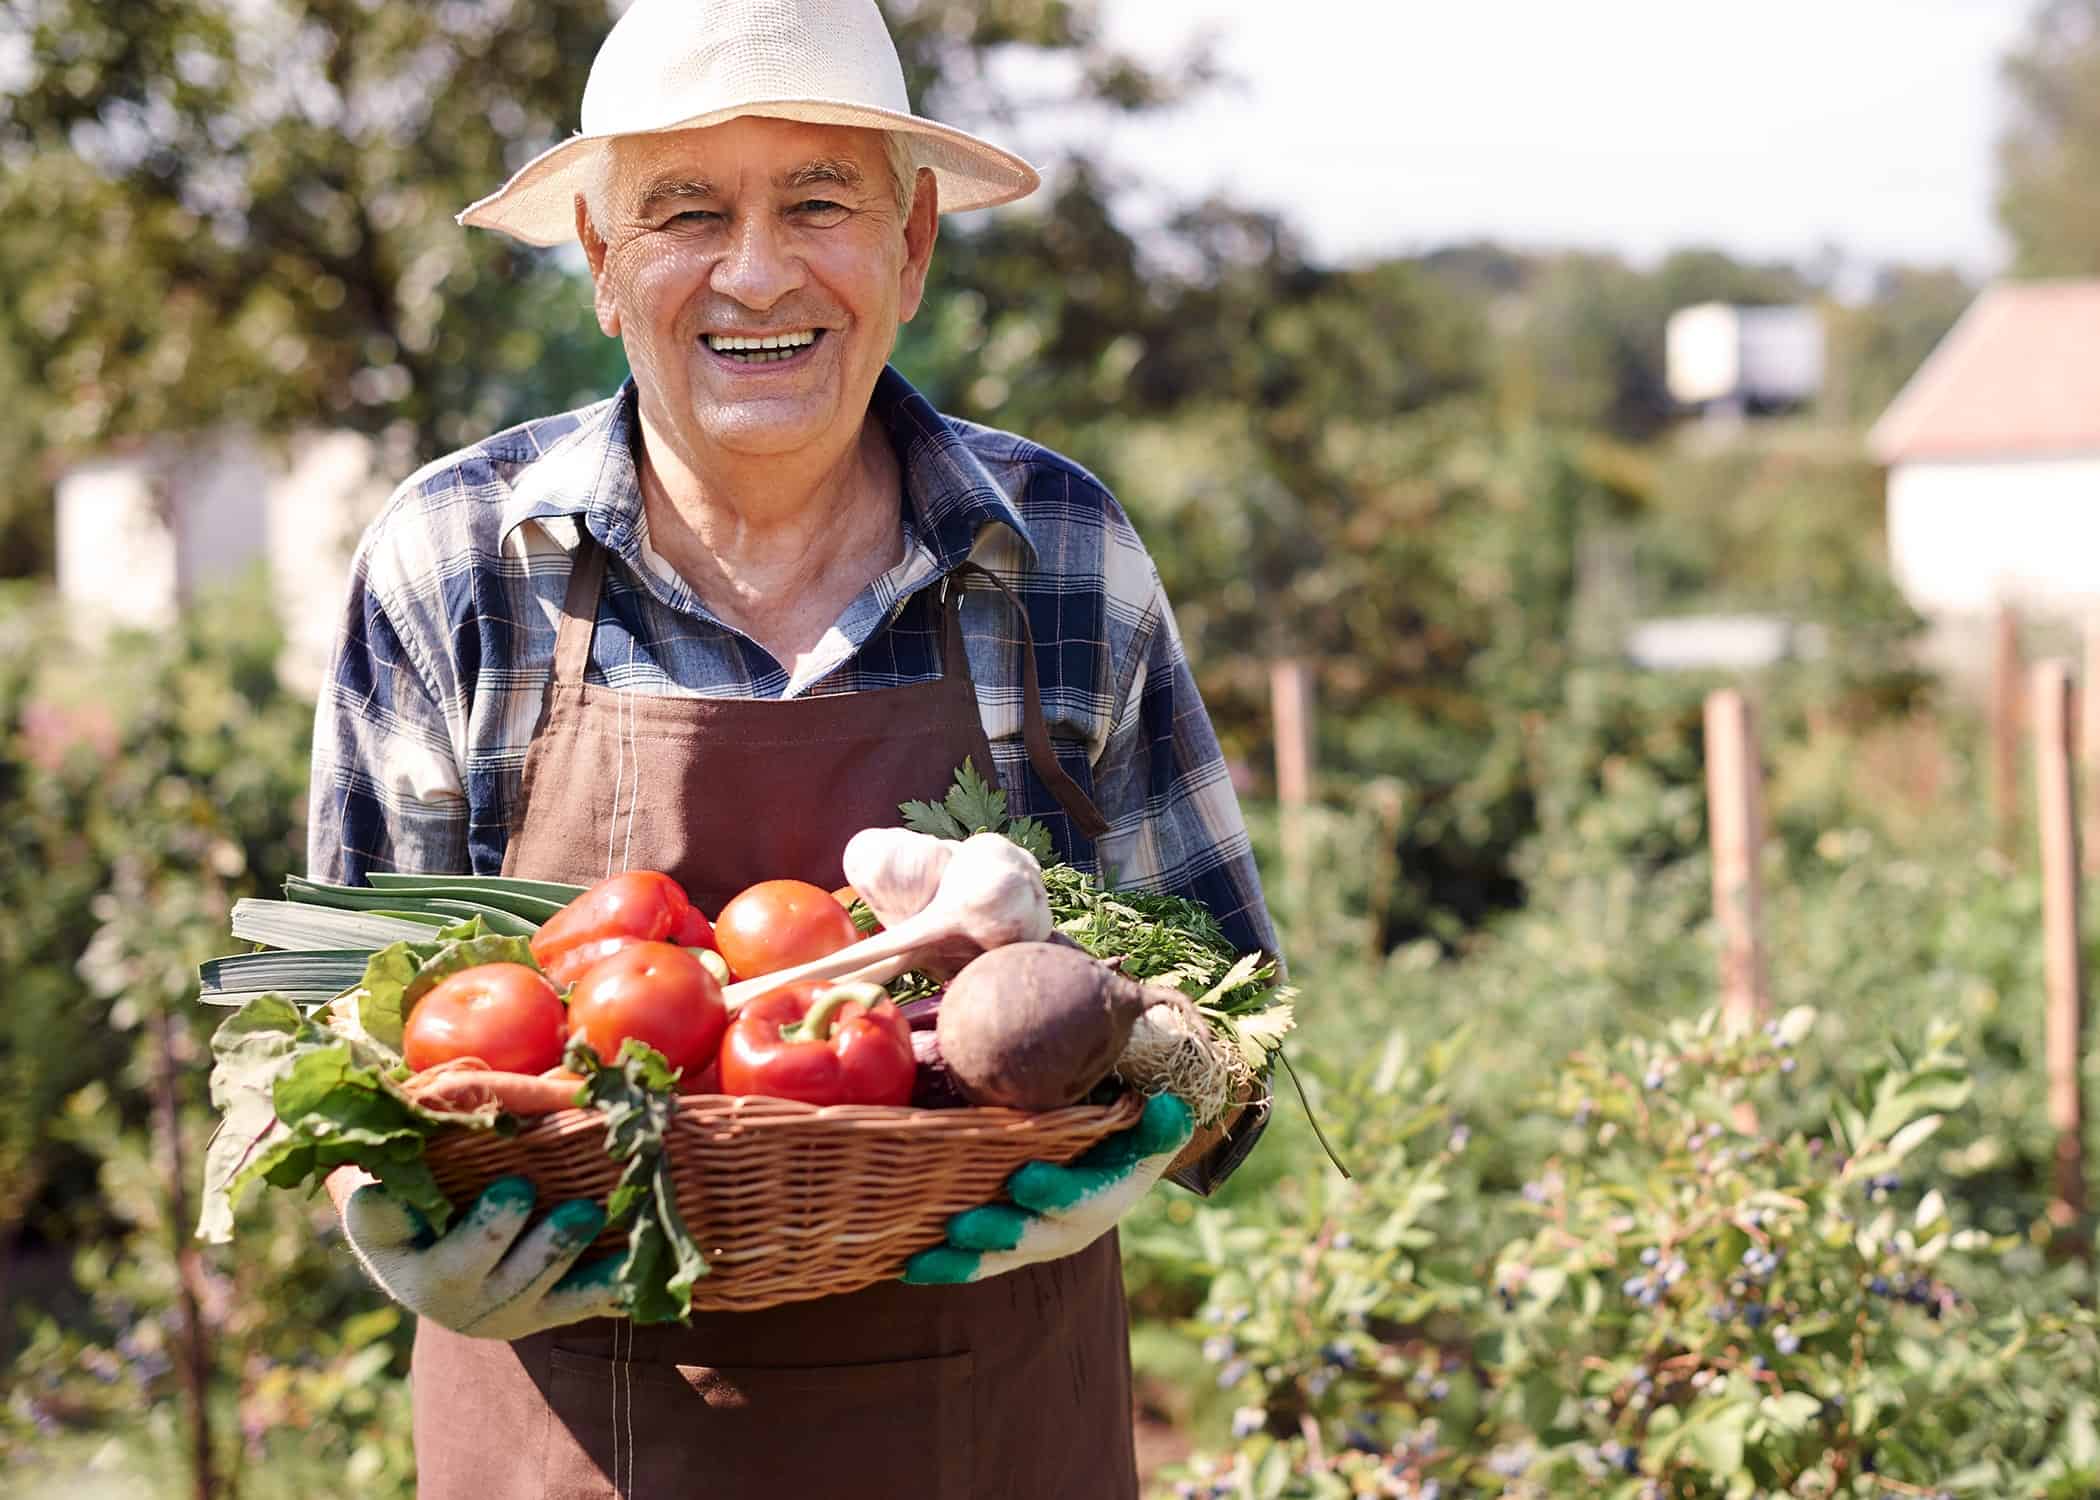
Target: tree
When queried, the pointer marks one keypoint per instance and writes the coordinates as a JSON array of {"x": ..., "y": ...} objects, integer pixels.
[{"x": 2049, "y": 157}]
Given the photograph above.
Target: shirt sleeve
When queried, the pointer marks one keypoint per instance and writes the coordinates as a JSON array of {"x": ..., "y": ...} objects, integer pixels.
[
  {"x": 386, "y": 791},
  {"x": 1164, "y": 786}
]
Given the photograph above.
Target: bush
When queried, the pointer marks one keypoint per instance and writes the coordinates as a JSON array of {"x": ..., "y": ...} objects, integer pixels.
[{"x": 1672, "y": 1304}]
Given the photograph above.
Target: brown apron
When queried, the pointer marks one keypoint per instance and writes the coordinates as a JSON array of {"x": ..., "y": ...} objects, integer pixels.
[{"x": 1017, "y": 1387}]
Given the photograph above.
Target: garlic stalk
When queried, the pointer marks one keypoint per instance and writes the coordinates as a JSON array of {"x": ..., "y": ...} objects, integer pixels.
[{"x": 990, "y": 894}]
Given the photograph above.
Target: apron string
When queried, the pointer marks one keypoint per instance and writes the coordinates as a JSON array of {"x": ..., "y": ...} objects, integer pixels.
[
  {"x": 579, "y": 611},
  {"x": 1035, "y": 730}
]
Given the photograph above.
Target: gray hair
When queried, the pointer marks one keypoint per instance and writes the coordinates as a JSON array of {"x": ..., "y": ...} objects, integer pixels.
[{"x": 904, "y": 168}]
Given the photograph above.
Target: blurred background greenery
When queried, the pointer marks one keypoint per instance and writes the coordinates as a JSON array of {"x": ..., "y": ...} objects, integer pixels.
[{"x": 1448, "y": 479}]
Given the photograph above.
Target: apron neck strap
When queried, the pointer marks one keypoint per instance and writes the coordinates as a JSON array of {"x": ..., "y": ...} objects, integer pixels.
[
  {"x": 1035, "y": 730},
  {"x": 579, "y": 610}
]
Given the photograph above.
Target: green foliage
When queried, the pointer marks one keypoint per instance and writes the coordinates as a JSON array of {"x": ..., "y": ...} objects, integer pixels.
[
  {"x": 145, "y": 786},
  {"x": 973, "y": 806},
  {"x": 1671, "y": 1303},
  {"x": 2049, "y": 156}
]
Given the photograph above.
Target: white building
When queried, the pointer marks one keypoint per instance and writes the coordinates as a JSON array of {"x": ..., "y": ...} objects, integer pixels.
[
  {"x": 1993, "y": 452},
  {"x": 138, "y": 536},
  {"x": 1743, "y": 358}
]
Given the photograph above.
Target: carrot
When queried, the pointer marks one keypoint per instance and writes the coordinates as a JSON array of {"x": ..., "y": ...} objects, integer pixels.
[{"x": 467, "y": 1083}]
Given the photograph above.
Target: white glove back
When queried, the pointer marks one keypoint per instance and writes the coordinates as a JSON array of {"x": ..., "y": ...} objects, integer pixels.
[{"x": 487, "y": 1276}]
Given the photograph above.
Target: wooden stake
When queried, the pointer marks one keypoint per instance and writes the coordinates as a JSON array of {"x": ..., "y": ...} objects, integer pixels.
[
  {"x": 1291, "y": 693},
  {"x": 2054, "y": 759},
  {"x": 1736, "y": 831},
  {"x": 2089, "y": 749},
  {"x": 2006, "y": 686},
  {"x": 1291, "y": 703}
]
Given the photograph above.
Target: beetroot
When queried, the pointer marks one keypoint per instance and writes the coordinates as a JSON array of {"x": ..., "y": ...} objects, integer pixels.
[{"x": 1035, "y": 1025}]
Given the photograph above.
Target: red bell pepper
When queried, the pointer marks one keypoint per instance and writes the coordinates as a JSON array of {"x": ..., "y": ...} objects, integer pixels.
[
  {"x": 637, "y": 906},
  {"x": 822, "y": 1044}
]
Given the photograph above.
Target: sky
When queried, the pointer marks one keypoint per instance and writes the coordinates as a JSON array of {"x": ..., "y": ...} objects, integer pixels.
[{"x": 1769, "y": 130}]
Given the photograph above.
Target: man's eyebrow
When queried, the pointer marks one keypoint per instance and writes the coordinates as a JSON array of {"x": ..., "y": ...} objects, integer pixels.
[
  {"x": 662, "y": 189},
  {"x": 825, "y": 171}
]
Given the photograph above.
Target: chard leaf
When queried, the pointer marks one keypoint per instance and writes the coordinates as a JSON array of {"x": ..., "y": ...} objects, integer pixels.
[
  {"x": 299, "y": 1100},
  {"x": 382, "y": 997},
  {"x": 637, "y": 1095},
  {"x": 248, "y": 1048}
]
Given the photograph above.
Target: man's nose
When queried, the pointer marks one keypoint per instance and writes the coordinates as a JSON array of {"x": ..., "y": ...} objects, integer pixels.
[{"x": 760, "y": 267}]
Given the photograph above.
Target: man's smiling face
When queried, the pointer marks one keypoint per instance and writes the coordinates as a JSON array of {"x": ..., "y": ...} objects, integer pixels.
[{"x": 757, "y": 272}]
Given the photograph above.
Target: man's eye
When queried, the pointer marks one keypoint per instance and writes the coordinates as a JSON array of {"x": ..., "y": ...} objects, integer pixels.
[
  {"x": 695, "y": 216},
  {"x": 820, "y": 208}
]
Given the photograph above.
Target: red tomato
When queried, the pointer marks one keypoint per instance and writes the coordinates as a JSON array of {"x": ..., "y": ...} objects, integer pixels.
[
  {"x": 638, "y": 903},
  {"x": 507, "y": 1015},
  {"x": 657, "y": 993},
  {"x": 777, "y": 924}
]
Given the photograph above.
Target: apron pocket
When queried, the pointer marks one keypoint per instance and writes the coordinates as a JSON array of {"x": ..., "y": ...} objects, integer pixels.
[{"x": 895, "y": 1430}]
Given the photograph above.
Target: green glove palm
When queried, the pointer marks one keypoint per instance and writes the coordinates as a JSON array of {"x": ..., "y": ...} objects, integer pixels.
[
  {"x": 487, "y": 1276},
  {"x": 1058, "y": 1210}
]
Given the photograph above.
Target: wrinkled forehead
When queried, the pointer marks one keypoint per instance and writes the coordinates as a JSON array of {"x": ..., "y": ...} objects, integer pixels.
[{"x": 752, "y": 150}]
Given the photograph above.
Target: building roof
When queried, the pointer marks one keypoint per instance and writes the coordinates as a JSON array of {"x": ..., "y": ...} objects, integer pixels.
[{"x": 2017, "y": 377}]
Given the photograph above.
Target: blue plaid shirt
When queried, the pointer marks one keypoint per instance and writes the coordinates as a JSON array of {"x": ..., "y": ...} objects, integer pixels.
[{"x": 455, "y": 592}]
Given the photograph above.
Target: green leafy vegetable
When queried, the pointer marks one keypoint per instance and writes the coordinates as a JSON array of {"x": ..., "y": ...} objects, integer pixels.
[
  {"x": 638, "y": 1096},
  {"x": 424, "y": 895},
  {"x": 306, "y": 977},
  {"x": 974, "y": 806},
  {"x": 299, "y": 1100}
]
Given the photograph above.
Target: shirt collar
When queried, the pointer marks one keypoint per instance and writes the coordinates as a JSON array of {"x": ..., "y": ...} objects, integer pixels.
[{"x": 589, "y": 476}]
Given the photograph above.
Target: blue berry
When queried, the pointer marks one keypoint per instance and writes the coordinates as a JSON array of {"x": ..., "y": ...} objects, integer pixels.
[{"x": 1650, "y": 1256}]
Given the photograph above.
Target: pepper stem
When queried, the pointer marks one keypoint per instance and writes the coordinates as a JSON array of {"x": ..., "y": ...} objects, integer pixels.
[{"x": 816, "y": 1023}]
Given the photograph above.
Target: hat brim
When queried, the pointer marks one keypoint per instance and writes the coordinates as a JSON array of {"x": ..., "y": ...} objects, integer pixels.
[{"x": 538, "y": 204}]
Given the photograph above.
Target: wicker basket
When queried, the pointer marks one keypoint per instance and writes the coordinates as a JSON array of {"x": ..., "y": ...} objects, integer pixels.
[{"x": 786, "y": 1200}]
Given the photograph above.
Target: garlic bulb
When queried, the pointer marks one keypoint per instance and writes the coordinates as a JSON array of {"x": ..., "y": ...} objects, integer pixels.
[{"x": 895, "y": 870}]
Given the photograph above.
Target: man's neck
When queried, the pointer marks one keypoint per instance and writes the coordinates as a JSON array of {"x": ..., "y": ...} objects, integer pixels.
[{"x": 777, "y": 547}]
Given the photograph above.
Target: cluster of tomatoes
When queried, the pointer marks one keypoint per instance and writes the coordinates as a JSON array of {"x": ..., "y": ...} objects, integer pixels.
[{"x": 624, "y": 960}]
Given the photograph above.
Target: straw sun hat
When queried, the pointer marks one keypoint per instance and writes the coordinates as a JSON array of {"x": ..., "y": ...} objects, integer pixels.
[{"x": 683, "y": 64}]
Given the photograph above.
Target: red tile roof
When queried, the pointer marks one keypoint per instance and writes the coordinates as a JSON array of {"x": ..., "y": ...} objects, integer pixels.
[{"x": 2017, "y": 376}]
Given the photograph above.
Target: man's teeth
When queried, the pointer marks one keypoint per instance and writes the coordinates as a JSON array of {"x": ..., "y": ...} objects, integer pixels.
[{"x": 754, "y": 351}]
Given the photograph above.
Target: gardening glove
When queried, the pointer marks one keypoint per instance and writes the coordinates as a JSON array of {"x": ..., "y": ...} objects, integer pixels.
[
  {"x": 481, "y": 1277},
  {"x": 1058, "y": 1211}
]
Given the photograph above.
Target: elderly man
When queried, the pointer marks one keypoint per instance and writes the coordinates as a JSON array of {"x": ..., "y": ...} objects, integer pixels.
[{"x": 713, "y": 626}]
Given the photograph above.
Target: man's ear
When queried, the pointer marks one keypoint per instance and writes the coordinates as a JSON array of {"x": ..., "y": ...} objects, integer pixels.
[
  {"x": 594, "y": 256},
  {"x": 921, "y": 228}
]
